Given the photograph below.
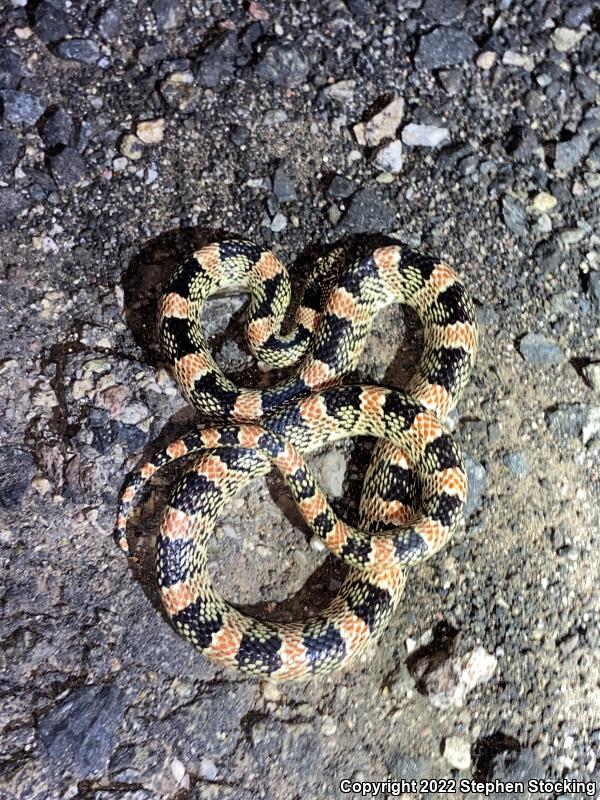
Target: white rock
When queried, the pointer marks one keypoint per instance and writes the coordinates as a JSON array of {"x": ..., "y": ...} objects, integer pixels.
[
  {"x": 131, "y": 147},
  {"x": 415, "y": 135},
  {"x": 591, "y": 426},
  {"x": 278, "y": 223},
  {"x": 544, "y": 224},
  {"x": 177, "y": 770},
  {"x": 449, "y": 684},
  {"x": 592, "y": 179},
  {"x": 543, "y": 202},
  {"x": 44, "y": 396},
  {"x": 208, "y": 769},
  {"x": 512, "y": 59},
  {"x": 342, "y": 91},
  {"x": 382, "y": 126},
  {"x": 41, "y": 485},
  {"x": 592, "y": 375},
  {"x": 328, "y": 726},
  {"x": 271, "y": 692},
  {"x": 151, "y": 131},
  {"x": 486, "y": 60},
  {"x": 564, "y": 39},
  {"x": 132, "y": 414},
  {"x": 457, "y": 752},
  {"x": 332, "y": 471},
  {"x": 389, "y": 157}
]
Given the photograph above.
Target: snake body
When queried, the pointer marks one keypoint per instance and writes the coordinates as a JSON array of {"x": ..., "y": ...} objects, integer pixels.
[{"x": 415, "y": 486}]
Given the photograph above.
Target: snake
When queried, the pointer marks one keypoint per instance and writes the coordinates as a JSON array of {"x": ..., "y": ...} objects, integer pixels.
[{"x": 415, "y": 485}]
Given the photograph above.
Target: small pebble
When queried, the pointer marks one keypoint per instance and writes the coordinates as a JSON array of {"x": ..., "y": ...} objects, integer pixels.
[
  {"x": 317, "y": 544},
  {"x": 414, "y": 135},
  {"x": 564, "y": 39},
  {"x": 131, "y": 147},
  {"x": 340, "y": 92},
  {"x": 283, "y": 64},
  {"x": 278, "y": 223},
  {"x": 169, "y": 13},
  {"x": 68, "y": 167},
  {"x": 382, "y": 125},
  {"x": 340, "y": 187},
  {"x": 151, "y": 131},
  {"x": 328, "y": 726},
  {"x": 486, "y": 60},
  {"x": 120, "y": 164},
  {"x": 84, "y": 50},
  {"x": 257, "y": 12},
  {"x": 570, "y": 236},
  {"x": 271, "y": 692},
  {"x": 591, "y": 373},
  {"x": 544, "y": 224},
  {"x": 444, "y": 47},
  {"x": 517, "y": 464},
  {"x": 592, "y": 179},
  {"x": 50, "y": 22},
  {"x": 457, "y": 752},
  {"x": 389, "y": 157},
  {"x": 518, "y": 60},
  {"x": 538, "y": 350},
  {"x": 21, "y": 108},
  {"x": 543, "y": 202},
  {"x": 570, "y": 153},
  {"x": 177, "y": 770},
  {"x": 208, "y": 769}
]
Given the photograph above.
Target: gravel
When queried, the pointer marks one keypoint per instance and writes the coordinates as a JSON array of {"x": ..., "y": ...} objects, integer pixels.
[
  {"x": 21, "y": 108},
  {"x": 17, "y": 467},
  {"x": 368, "y": 212},
  {"x": 80, "y": 733},
  {"x": 169, "y": 14},
  {"x": 592, "y": 374},
  {"x": 284, "y": 65},
  {"x": 340, "y": 187},
  {"x": 50, "y": 22},
  {"x": 570, "y": 154},
  {"x": 444, "y": 47},
  {"x": 67, "y": 167},
  {"x": 513, "y": 213},
  {"x": 389, "y": 157},
  {"x": 57, "y": 128},
  {"x": 11, "y": 69},
  {"x": 457, "y": 752},
  {"x": 382, "y": 125},
  {"x": 539, "y": 350},
  {"x": 84, "y": 50},
  {"x": 595, "y": 291},
  {"x": 517, "y": 463},
  {"x": 10, "y": 147},
  {"x": 11, "y": 203},
  {"x": 415, "y": 135},
  {"x": 133, "y": 133},
  {"x": 476, "y": 477}
]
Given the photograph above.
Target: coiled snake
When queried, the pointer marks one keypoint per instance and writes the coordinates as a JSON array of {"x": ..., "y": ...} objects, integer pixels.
[{"x": 415, "y": 487}]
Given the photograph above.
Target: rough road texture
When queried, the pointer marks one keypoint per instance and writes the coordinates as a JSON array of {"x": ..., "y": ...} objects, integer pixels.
[{"x": 131, "y": 133}]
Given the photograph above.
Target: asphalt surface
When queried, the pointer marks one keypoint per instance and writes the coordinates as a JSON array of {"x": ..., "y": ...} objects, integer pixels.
[{"x": 133, "y": 133}]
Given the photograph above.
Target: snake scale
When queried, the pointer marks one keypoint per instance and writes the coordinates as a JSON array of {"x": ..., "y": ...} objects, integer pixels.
[{"x": 415, "y": 486}]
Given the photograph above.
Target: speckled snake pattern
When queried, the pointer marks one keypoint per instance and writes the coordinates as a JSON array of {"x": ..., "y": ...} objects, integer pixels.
[{"x": 415, "y": 486}]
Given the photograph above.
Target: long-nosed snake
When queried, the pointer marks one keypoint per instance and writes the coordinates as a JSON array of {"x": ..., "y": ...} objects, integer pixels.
[{"x": 415, "y": 486}]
